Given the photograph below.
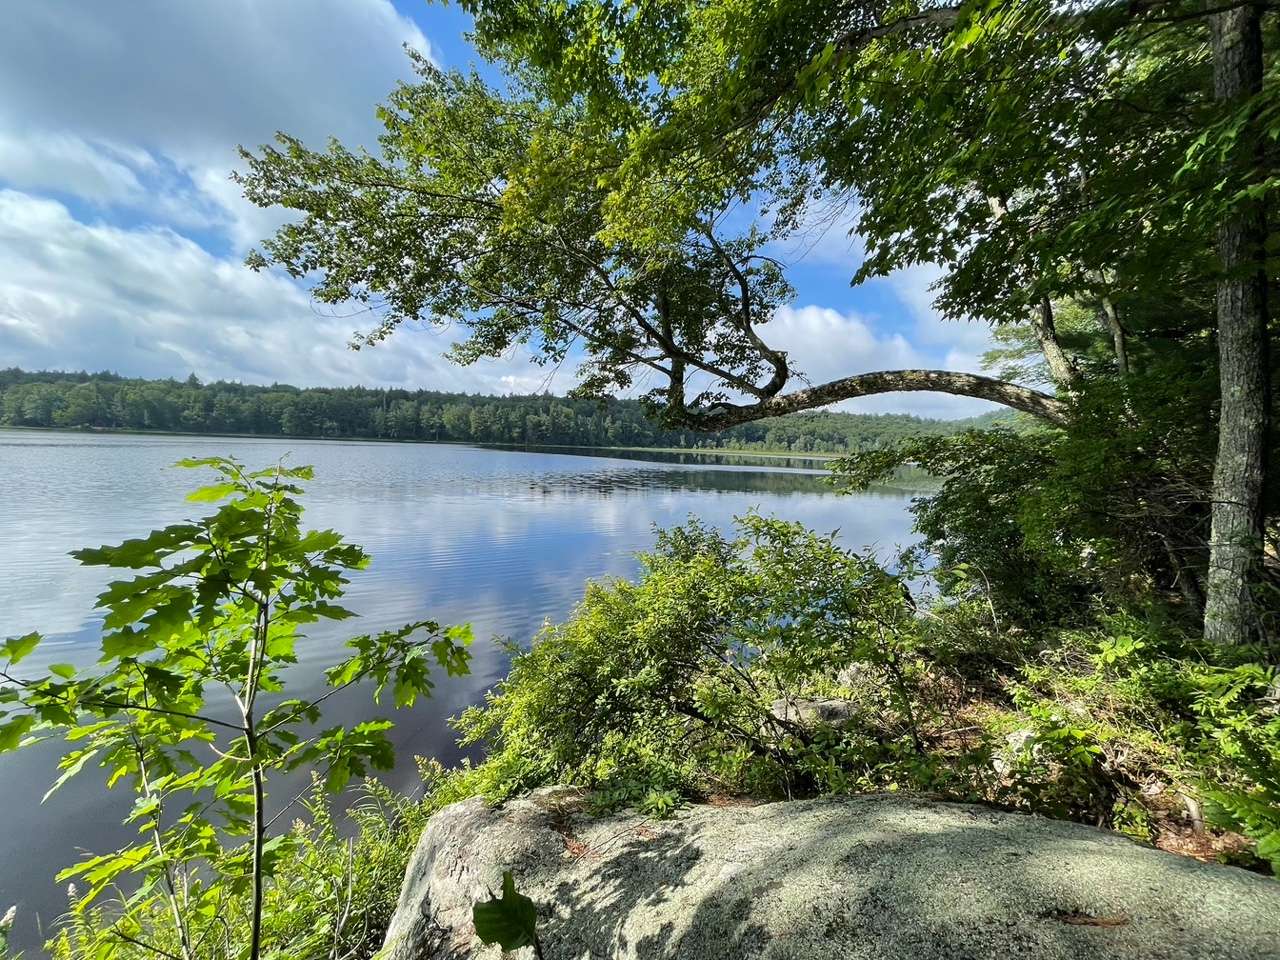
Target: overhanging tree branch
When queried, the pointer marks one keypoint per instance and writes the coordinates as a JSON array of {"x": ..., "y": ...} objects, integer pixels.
[{"x": 1034, "y": 402}]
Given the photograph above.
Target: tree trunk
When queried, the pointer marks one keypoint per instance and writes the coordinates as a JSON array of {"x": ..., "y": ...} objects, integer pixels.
[
  {"x": 1236, "y": 538},
  {"x": 1062, "y": 368},
  {"x": 1112, "y": 324}
]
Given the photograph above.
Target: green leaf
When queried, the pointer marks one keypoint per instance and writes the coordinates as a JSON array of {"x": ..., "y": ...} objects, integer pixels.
[
  {"x": 510, "y": 921},
  {"x": 212, "y": 493},
  {"x": 316, "y": 540},
  {"x": 11, "y": 733},
  {"x": 143, "y": 807},
  {"x": 345, "y": 672},
  {"x": 17, "y": 648},
  {"x": 331, "y": 611},
  {"x": 190, "y": 463},
  {"x": 460, "y": 633},
  {"x": 70, "y": 770},
  {"x": 127, "y": 643},
  {"x": 1269, "y": 846}
]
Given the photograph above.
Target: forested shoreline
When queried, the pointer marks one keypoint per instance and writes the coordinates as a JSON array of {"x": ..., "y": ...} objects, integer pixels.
[{"x": 107, "y": 401}]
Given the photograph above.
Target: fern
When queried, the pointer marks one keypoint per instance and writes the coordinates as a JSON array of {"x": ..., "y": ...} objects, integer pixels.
[{"x": 1254, "y": 812}]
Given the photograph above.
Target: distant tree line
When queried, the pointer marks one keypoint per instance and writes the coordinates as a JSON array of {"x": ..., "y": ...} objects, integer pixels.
[{"x": 108, "y": 401}]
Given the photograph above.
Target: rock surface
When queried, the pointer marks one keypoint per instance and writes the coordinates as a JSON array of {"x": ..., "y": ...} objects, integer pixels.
[
  {"x": 873, "y": 878},
  {"x": 808, "y": 712}
]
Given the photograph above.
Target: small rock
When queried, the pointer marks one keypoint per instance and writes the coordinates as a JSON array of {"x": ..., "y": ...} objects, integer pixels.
[
  {"x": 1015, "y": 744},
  {"x": 1018, "y": 740},
  {"x": 833, "y": 711},
  {"x": 860, "y": 677}
]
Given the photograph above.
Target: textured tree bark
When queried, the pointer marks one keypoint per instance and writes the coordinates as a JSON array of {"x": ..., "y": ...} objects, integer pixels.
[
  {"x": 1061, "y": 367},
  {"x": 1030, "y": 401},
  {"x": 1236, "y": 538}
]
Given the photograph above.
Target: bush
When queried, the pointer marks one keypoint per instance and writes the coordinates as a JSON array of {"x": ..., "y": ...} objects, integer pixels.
[
  {"x": 676, "y": 682},
  {"x": 712, "y": 671},
  {"x": 334, "y": 889},
  {"x": 187, "y": 706},
  {"x": 1111, "y": 510},
  {"x": 1253, "y": 810}
]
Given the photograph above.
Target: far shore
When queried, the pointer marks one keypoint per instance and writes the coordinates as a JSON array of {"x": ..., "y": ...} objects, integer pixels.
[{"x": 702, "y": 451}]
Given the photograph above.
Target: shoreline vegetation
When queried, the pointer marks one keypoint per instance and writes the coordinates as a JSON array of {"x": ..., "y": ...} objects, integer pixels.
[
  {"x": 107, "y": 401},
  {"x": 906, "y": 478},
  {"x": 726, "y": 452}
]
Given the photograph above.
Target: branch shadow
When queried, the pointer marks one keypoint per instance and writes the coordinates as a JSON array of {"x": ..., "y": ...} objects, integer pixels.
[{"x": 901, "y": 882}]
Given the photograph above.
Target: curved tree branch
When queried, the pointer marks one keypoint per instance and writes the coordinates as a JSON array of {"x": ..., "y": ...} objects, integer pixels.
[{"x": 1041, "y": 405}]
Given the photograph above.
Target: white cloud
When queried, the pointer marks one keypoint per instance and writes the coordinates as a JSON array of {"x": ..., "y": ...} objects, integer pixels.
[
  {"x": 913, "y": 288},
  {"x": 181, "y": 84},
  {"x": 825, "y": 344},
  {"x": 131, "y": 114},
  {"x": 52, "y": 161},
  {"x": 147, "y": 301},
  {"x": 829, "y": 241}
]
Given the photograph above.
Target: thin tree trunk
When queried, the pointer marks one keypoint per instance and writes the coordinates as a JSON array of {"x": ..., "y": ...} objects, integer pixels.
[
  {"x": 1061, "y": 367},
  {"x": 259, "y": 836},
  {"x": 171, "y": 892},
  {"x": 1112, "y": 323},
  {"x": 257, "y": 653},
  {"x": 1062, "y": 370},
  {"x": 1236, "y": 538}
]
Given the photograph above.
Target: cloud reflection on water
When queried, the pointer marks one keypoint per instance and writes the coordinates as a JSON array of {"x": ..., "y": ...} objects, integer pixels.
[{"x": 502, "y": 539}]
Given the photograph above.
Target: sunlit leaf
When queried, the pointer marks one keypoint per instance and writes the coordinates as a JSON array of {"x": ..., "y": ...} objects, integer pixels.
[{"x": 17, "y": 648}]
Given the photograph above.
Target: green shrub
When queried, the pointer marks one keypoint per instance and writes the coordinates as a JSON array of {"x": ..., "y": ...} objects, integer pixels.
[
  {"x": 1112, "y": 510},
  {"x": 1131, "y": 710},
  {"x": 668, "y": 684},
  {"x": 666, "y": 687},
  {"x": 335, "y": 886},
  {"x": 1253, "y": 810}
]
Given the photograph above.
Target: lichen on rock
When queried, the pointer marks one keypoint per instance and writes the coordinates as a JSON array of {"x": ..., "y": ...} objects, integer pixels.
[{"x": 873, "y": 878}]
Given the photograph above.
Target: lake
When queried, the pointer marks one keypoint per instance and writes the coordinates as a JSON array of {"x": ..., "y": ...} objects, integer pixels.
[{"x": 503, "y": 539}]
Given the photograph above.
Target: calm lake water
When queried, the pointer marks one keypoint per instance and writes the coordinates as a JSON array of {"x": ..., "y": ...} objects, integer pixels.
[{"x": 502, "y": 539}]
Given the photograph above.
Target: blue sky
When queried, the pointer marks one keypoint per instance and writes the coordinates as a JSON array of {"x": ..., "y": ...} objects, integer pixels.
[{"x": 121, "y": 236}]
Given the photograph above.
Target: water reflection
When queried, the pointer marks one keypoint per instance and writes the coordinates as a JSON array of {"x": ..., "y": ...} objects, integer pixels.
[
  {"x": 728, "y": 458},
  {"x": 504, "y": 539}
]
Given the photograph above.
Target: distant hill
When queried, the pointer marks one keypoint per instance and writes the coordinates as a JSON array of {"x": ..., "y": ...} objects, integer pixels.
[{"x": 110, "y": 402}]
